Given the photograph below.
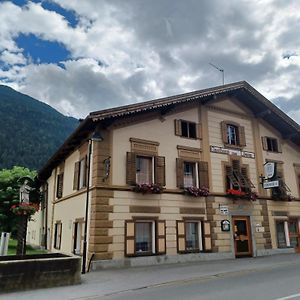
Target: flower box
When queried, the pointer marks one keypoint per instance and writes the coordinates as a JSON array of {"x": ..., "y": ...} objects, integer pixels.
[
  {"x": 25, "y": 209},
  {"x": 146, "y": 188},
  {"x": 197, "y": 192},
  {"x": 242, "y": 195}
]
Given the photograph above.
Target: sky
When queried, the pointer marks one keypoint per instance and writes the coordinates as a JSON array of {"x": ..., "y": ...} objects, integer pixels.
[{"x": 86, "y": 55}]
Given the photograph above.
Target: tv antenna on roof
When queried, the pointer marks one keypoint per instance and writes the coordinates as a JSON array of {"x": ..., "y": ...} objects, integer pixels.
[{"x": 221, "y": 70}]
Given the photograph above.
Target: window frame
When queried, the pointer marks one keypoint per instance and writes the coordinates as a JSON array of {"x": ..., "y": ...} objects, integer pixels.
[
  {"x": 152, "y": 235},
  {"x": 235, "y": 141},
  {"x": 240, "y": 136},
  {"x": 57, "y": 235},
  {"x": 151, "y": 169},
  {"x": 59, "y": 185},
  {"x": 77, "y": 239},
  {"x": 195, "y": 177}
]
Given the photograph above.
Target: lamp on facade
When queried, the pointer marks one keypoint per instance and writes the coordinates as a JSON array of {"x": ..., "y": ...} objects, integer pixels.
[{"x": 96, "y": 137}]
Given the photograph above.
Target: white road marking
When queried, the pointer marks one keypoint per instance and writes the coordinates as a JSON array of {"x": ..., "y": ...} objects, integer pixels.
[{"x": 289, "y": 297}]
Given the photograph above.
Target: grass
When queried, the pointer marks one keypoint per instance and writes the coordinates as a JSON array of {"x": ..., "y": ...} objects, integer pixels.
[{"x": 12, "y": 248}]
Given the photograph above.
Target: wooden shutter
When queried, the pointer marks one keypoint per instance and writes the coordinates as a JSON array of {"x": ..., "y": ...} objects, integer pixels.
[
  {"x": 60, "y": 180},
  {"x": 279, "y": 169},
  {"x": 203, "y": 174},
  {"x": 242, "y": 136},
  {"x": 161, "y": 237},
  {"x": 179, "y": 172},
  {"x": 264, "y": 143},
  {"x": 199, "y": 131},
  {"x": 224, "y": 132},
  {"x": 85, "y": 172},
  {"x": 178, "y": 130},
  {"x": 279, "y": 146},
  {"x": 236, "y": 165},
  {"x": 231, "y": 177},
  {"x": 207, "y": 236},
  {"x": 159, "y": 170},
  {"x": 181, "y": 236},
  {"x": 129, "y": 238},
  {"x": 246, "y": 178},
  {"x": 131, "y": 168},
  {"x": 76, "y": 176}
]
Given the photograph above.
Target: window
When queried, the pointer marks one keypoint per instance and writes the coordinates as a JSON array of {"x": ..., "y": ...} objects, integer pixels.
[
  {"x": 293, "y": 233},
  {"x": 144, "y": 170},
  {"x": 144, "y": 242},
  {"x": 80, "y": 174},
  {"x": 145, "y": 237},
  {"x": 287, "y": 233},
  {"x": 192, "y": 236},
  {"x": 78, "y": 232},
  {"x": 59, "y": 187},
  {"x": 57, "y": 235},
  {"x": 188, "y": 129},
  {"x": 237, "y": 177},
  {"x": 233, "y": 134},
  {"x": 270, "y": 144},
  {"x": 191, "y": 173},
  {"x": 281, "y": 241}
]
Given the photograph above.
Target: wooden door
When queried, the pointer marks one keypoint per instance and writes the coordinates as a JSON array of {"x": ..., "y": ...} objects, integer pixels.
[{"x": 242, "y": 236}]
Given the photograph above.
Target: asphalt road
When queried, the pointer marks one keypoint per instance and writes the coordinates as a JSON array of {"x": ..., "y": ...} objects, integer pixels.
[{"x": 278, "y": 283}]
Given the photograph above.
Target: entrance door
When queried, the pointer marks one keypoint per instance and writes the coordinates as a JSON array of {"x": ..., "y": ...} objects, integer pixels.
[{"x": 242, "y": 236}]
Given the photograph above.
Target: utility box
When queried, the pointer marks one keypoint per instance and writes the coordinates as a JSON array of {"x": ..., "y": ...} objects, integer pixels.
[{"x": 4, "y": 243}]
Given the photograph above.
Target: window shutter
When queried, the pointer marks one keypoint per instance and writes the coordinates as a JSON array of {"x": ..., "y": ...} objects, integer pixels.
[
  {"x": 178, "y": 127},
  {"x": 161, "y": 237},
  {"x": 76, "y": 176},
  {"x": 180, "y": 236},
  {"x": 131, "y": 168},
  {"x": 231, "y": 177},
  {"x": 207, "y": 236},
  {"x": 224, "y": 132},
  {"x": 60, "y": 180},
  {"x": 85, "y": 172},
  {"x": 129, "y": 238},
  {"x": 203, "y": 174},
  {"x": 264, "y": 143},
  {"x": 160, "y": 173},
  {"x": 199, "y": 131},
  {"x": 179, "y": 172},
  {"x": 242, "y": 136},
  {"x": 236, "y": 165},
  {"x": 279, "y": 146},
  {"x": 246, "y": 178},
  {"x": 59, "y": 235},
  {"x": 279, "y": 167}
]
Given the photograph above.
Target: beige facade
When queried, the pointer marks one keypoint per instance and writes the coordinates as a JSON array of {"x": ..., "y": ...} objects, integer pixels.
[{"x": 212, "y": 137}]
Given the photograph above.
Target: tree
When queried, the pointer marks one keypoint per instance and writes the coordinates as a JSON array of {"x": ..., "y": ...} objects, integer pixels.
[{"x": 10, "y": 182}]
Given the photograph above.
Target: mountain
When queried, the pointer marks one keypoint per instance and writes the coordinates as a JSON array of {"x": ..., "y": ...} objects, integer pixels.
[{"x": 30, "y": 130}]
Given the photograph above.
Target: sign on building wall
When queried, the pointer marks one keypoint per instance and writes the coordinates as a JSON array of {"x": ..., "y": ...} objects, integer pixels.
[
  {"x": 270, "y": 173},
  {"x": 221, "y": 150}
]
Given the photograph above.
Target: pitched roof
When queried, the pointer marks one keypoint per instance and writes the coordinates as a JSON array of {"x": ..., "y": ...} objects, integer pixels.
[{"x": 247, "y": 95}]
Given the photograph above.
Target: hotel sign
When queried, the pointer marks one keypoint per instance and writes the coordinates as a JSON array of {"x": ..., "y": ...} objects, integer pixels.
[{"x": 221, "y": 150}]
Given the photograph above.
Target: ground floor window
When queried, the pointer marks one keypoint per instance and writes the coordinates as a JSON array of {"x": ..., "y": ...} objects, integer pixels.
[
  {"x": 144, "y": 233},
  {"x": 78, "y": 238},
  {"x": 287, "y": 233},
  {"x": 57, "y": 235},
  {"x": 189, "y": 236},
  {"x": 145, "y": 237}
]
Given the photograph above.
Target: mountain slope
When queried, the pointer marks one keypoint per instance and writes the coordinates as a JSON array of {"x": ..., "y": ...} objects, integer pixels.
[{"x": 30, "y": 130}]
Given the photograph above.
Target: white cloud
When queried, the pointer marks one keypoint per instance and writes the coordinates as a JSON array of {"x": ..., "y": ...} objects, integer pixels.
[{"x": 127, "y": 51}]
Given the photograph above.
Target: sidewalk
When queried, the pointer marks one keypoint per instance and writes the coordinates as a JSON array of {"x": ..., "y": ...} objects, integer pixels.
[{"x": 105, "y": 282}]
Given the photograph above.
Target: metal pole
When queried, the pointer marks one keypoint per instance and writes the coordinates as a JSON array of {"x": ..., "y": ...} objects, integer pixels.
[{"x": 84, "y": 252}]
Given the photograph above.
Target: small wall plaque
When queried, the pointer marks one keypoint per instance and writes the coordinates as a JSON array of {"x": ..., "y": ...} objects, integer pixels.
[{"x": 225, "y": 225}]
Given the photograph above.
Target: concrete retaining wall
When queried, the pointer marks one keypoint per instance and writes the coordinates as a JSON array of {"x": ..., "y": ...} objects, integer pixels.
[{"x": 38, "y": 271}]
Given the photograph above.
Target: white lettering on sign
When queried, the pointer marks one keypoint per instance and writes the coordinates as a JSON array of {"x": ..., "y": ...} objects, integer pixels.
[
  {"x": 247, "y": 154},
  {"x": 224, "y": 209},
  {"x": 271, "y": 184}
]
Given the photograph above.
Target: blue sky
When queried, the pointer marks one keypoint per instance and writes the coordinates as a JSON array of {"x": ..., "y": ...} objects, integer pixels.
[{"x": 80, "y": 56}]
